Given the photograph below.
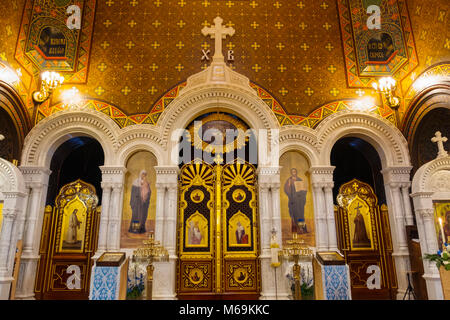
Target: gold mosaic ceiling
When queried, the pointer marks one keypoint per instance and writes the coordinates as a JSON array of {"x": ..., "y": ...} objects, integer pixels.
[
  {"x": 143, "y": 48},
  {"x": 292, "y": 48}
]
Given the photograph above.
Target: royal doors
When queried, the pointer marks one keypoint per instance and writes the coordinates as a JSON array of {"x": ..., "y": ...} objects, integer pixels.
[
  {"x": 218, "y": 231},
  {"x": 364, "y": 238},
  {"x": 68, "y": 242}
]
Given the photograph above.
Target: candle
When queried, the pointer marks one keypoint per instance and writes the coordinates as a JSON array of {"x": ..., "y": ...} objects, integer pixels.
[{"x": 442, "y": 234}]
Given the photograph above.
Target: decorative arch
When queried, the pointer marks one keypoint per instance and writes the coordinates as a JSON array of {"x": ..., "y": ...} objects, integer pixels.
[
  {"x": 385, "y": 137},
  {"x": 425, "y": 178},
  {"x": 300, "y": 139},
  {"x": 44, "y": 138},
  {"x": 194, "y": 101},
  {"x": 137, "y": 139}
]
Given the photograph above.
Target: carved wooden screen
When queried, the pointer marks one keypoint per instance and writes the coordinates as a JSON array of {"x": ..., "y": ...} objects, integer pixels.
[
  {"x": 364, "y": 238},
  {"x": 68, "y": 242},
  {"x": 218, "y": 230}
]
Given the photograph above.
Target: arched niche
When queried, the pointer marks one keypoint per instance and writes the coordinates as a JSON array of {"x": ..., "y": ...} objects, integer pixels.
[
  {"x": 77, "y": 158},
  {"x": 356, "y": 158},
  {"x": 139, "y": 199},
  {"x": 296, "y": 201}
]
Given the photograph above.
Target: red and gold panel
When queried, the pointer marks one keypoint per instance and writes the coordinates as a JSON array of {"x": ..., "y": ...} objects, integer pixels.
[
  {"x": 241, "y": 276},
  {"x": 196, "y": 276}
]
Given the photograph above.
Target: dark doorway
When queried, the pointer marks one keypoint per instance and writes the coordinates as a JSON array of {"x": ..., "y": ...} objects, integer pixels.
[
  {"x": 423, "y": 150},
  {"x": 355, "y": 158},
  {"x": 10, "y": 146},
  {"x": 77, "y": 158}
]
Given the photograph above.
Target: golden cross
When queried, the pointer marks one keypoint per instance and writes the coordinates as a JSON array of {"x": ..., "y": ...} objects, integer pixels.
[{"x": 78, "y": 187}]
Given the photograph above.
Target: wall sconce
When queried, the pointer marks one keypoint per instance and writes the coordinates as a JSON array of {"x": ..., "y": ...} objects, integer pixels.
[
  {"x": 387, "y": 87},
  {"x": 50, "y": 80}
]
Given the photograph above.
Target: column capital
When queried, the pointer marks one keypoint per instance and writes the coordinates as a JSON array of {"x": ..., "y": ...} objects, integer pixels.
[
  {"x": 167, "y": 170},
  {"x": 269, "y": 170},
  {"x": 35, "y": 177},
  {"x": 399, "y": 174},
  {"x": 425, "y": 213},
  {"x": 113, "y": 170},
  {"x": 321, "y": 170},
  {"x": 322, "y": 176},
  {"x": 10, "y": 213},
  {"x": 422, "y": 194}
]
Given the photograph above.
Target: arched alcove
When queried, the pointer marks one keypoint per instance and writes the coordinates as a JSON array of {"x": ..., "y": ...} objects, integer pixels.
[
  {"x": 77, "y": 158},
  {"x": 355, "y": 158},
  {"x": 422, "y": 150}
]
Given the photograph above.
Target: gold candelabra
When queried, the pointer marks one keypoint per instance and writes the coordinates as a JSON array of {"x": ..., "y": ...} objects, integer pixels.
[
  {"x": 151, "y": 251},
  {"x": 296, "y": 250},
  {"x": 387, "y": 86},
  {"x": 50, "y": 80}
]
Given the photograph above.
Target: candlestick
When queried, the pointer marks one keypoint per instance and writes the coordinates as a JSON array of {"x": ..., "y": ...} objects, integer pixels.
[{"x": 442, "y": 234}]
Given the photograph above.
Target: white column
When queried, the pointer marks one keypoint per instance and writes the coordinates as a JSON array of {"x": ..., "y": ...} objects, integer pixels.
[
  {"x": 267, "y": 283},
  {"x": 322, "y": 182},
  {"x": 331, "y": 223},
  {"x": 407, "y": 204},
  {"x": 276, "y": 211},
  {"x": 36, "y": 181},
  {"x": 6, "y": 246},
  {"x": 160, "y": 209},
  {"x": 424, "y": 211},
  {"x": 164, "y": 285},
  {"x": 394, "y": 178},
  {"x": 170, "y": 235},
  {"x": 115, "y": 218},
  {"x": 320, "y": 217},
  {"x": 104, "y": 218}
]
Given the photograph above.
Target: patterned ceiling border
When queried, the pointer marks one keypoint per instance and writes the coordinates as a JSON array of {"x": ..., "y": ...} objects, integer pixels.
[
  {"x": 284, "y": 119},
  {"x": 351, "y": 50}
]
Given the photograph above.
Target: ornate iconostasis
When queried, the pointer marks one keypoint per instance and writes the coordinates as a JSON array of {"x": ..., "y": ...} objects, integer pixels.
[
  {"x": 296, "y": 201},
  {"x": 139, "y": 202}
]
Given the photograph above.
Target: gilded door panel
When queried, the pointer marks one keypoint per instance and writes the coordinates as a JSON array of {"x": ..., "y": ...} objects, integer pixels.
[
  {"x": 217, "y": 231},
  {"x": 68, "y": 242},
  {"x": 365, "y": 240},
  {"x": 196, "y": 210},
  {"x": 196, "y": 227},
  {"x": 240, "y": 225}
]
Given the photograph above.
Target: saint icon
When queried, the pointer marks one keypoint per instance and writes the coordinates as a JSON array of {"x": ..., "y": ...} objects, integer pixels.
[
  {"x": 195, "y": 235},
  {"x": 295, "y": 189},
  {"x": 360, "y": 238},
  {"x": 74, "y": 225},
  {"x": 241, "y": 236},
  {"x": 140, "y": 202}
]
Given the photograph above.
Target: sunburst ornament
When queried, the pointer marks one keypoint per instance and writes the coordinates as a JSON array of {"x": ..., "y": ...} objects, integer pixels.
[{"x": 218, "y": 133}]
